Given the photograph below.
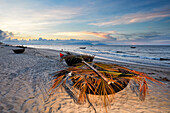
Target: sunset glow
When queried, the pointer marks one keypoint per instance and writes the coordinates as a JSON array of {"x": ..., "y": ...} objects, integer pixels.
[{"x": 111, "y": 22}]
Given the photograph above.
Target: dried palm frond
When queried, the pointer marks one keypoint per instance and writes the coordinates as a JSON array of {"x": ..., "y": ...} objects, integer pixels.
[{"x": 100, "y": 79}]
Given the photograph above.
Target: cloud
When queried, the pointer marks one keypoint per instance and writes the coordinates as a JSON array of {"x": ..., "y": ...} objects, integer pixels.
[
  {"x": 142, "y": 38},
  {"x": 145, "y": 37},
  {"x": 23, "y": 18},
  {"x": 104, "y": 35},
  {"x": 42, "y": 41},
  {"x": 5, "y": 34},
  {"x": 162, "y": 41},
  {"x": 135, "y": 18},
  {"x": 114, "y": 35}
]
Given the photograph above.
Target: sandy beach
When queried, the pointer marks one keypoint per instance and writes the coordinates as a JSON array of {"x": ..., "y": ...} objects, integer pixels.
[{"x": 25, "y": 84}]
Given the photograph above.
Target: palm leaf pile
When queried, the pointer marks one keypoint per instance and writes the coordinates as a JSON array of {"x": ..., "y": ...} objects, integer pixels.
[{"x": 99, "y": 79}]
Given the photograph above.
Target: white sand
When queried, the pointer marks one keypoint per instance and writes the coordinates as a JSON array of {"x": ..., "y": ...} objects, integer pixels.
[{"x": 25, "y": 81}]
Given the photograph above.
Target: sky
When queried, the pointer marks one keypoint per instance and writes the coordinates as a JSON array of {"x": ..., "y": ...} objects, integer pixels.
[{"x": 134, "y": 22}]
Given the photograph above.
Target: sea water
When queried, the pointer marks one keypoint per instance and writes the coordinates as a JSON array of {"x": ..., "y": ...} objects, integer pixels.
[{"x": 157, "y": 55}]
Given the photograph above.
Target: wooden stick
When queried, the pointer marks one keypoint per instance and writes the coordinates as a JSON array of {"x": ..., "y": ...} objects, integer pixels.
[{"x": 97, "y": 72}]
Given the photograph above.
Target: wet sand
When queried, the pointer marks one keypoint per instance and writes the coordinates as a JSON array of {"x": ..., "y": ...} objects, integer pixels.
[{"x": 25, "y": 83}]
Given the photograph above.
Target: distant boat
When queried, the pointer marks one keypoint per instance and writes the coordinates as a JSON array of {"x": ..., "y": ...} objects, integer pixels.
[
  {"x": 82, "y": 47},
  {"x": 17, "y": 51},
  {"x": 132, "y": 47},
  {"x": 164, "y": 58}
]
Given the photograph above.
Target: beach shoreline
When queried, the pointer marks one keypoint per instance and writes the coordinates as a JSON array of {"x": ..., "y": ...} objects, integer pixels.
[{"x": 25, "y": 84}]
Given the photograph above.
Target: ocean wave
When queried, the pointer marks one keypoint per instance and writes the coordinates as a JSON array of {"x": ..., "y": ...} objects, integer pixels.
[
  {"x": 122, "y": 54},
  {"x": 142, "y": 55}
]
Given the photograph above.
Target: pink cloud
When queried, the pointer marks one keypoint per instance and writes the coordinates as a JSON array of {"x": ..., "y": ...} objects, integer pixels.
[
  {"x": 105, "y": 35},
  {"x": 100, "y": 34}
]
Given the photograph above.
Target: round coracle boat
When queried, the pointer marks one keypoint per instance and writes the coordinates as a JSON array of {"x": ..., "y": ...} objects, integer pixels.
[
  {"x": 17, "y": 51},
  {"x": 72, "y": 60}
]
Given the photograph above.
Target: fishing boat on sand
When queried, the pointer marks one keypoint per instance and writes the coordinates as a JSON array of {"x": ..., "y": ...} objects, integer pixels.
[
  {"x": 17, "y": 51},
  {"x": 72, "y": 60}
]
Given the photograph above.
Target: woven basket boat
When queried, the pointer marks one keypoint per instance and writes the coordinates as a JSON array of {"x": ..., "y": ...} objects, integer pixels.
[
  {"x": 17, "y": 51},
  {"x": 72, "y": 60}
]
